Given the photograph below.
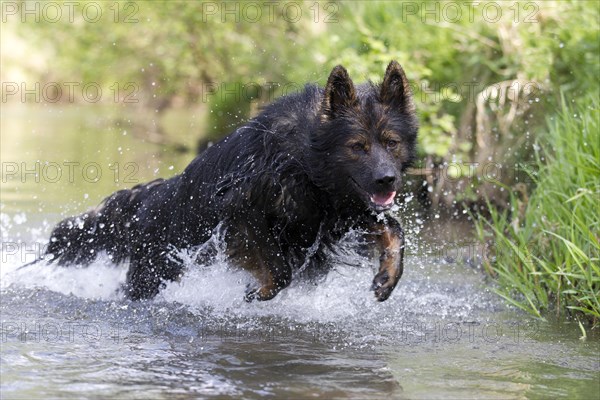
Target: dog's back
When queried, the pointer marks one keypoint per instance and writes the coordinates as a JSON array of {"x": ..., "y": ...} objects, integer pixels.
[{"x": 253, "y": 176}]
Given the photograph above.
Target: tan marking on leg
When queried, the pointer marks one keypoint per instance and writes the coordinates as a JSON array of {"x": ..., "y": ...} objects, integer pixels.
[
  {"x": 251, "y": 261},
  {"x": 390, "y": 243}
]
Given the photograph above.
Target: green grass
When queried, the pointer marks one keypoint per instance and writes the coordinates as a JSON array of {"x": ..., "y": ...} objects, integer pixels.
[{"x": 546, "y": 247}]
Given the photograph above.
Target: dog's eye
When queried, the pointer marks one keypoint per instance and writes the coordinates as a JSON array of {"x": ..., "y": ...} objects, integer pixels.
[
  {"x": 358, "y": 146},
  {"x": 391, "y": 144}
]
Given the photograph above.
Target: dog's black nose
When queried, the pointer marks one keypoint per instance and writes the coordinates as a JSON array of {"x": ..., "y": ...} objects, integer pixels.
[{"x": 385, "y": 180}]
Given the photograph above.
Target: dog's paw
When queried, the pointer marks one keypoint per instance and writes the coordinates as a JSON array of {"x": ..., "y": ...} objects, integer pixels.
[
  {"x": 251, "y": 295},
  {"x": 383, "y": 286},
  {"x": 260, "y": 294}
]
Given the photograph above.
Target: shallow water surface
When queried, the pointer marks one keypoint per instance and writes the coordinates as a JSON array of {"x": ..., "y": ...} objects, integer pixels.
[{"x": 68, "y": 332}]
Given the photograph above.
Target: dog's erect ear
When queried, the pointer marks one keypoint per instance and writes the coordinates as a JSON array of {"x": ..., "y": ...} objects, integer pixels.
[
  {"x": 395, "y": 89},
  {"x": 339, "y": 93}
]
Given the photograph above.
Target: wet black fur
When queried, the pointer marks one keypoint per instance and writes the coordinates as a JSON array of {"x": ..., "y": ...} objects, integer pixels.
[{"x": 284, "y": 183}]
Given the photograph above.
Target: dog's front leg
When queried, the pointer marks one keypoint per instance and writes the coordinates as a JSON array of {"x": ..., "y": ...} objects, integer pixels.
[
  {"x": 389, "y": 239},
  {"x": 272, "y": 272},
  {"x": 147, "y": 271},
  {"x": 256, "y": 251}
]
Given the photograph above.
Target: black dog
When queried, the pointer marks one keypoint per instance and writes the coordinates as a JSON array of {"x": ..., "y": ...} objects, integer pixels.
[{"x": 283, "y": 188}]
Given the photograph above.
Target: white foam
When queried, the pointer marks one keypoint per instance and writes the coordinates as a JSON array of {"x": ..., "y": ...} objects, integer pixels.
[
  {"x": 342, "y": 295},
  {"x": 100, "y": 280}
]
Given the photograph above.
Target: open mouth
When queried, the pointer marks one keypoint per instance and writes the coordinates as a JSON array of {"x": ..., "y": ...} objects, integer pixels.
[
  {"x": 382, "y": 201},
  {"x": 377, "y": 201}
]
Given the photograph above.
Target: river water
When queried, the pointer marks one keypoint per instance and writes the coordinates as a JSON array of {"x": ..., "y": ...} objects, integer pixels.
[{"x": 69, "y": 333}]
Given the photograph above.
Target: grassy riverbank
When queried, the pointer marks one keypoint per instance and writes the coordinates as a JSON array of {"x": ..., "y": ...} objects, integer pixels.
[{"x": 546, "y": 247}]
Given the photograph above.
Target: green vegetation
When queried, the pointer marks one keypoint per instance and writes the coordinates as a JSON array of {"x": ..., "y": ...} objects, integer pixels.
[
  {"x": 483, "y": 85},
  {"x": 547, "y": 247}
]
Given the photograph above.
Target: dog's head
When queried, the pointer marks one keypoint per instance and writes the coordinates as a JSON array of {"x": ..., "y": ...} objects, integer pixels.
[{"x": 366, "y": 138}]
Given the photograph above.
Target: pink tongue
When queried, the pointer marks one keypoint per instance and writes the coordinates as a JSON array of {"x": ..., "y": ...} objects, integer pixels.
[{"x": 383, "y": 199}]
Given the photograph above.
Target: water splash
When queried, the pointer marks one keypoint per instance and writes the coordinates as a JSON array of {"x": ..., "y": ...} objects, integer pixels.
[{"x": 210, "y": 295}]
